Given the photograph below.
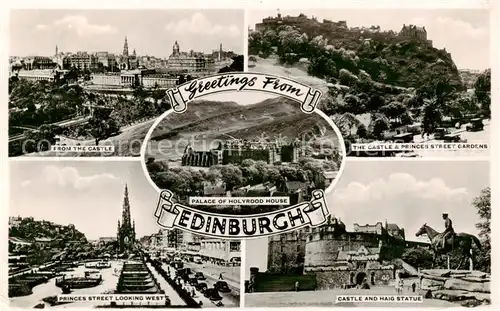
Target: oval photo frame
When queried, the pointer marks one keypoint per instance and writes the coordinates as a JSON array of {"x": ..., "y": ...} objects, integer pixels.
[{"x": 314, "y": 213}]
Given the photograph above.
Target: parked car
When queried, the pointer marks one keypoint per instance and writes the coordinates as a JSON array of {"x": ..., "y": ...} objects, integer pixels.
[
  {"x": 212, "y": 294},
  {"x": 475, "y": 125},
  {"x": 222, "y": 286},
  {"x": 199, "y": 276},
  {"x": 442, "y": 133},
  {"x": 193, "y": 281},
  {"x": 201, "y": 287}
]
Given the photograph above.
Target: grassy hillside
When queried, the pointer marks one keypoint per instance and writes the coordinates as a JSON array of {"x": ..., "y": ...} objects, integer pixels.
[{"x": 274, "y": 116}]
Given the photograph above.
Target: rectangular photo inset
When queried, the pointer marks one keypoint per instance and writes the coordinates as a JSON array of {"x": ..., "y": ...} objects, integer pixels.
[
  {"x": 399, "y": 236},
  {"x": 86, "y": 238},
  {"x": 397, "y": 82},
  {"x": 91, "y": 83}
]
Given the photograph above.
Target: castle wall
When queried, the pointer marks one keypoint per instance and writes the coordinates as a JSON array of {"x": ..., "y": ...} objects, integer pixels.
[
  {"x": 237, "y": 156},
  {"x": 286, "y": 252},
  {"x": 322, "y": 248},
  {"x": 336, "y": 279}
]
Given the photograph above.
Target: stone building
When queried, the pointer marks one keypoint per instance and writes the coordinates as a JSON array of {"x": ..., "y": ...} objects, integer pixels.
[
  {"x": 38, "y": 62},
  {"x": 126, "y": 61},
  {"x": 415, "y": 33},
  {"x": 189, "y": 62},
  {"x": 235, "y": 152},
  {"x": 337, "y": 257},
  {"x": 220, "y": 251},
  {"x": 82, "y": 61},
  {"x": 129, "y": 78},
  {"x": 126, "y": 229}
]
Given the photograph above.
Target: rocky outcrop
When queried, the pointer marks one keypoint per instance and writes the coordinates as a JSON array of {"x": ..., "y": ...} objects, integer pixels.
[{"x": 470, "y": 288}]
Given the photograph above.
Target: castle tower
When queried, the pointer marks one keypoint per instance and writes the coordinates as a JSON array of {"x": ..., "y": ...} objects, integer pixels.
[
  {"x": 125, "y": 48},
  {"x": 126, "y": 230},
  {"x": 176, "y": 49}
]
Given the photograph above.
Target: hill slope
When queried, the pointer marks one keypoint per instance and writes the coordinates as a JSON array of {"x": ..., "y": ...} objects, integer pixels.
[{"x": 385, "y": 56}]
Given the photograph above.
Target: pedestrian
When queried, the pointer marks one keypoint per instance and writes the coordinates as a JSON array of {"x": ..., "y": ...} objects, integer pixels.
[
  {"x": 413, "y": 286},
  {"x": 296, "y": 286},
  {"x": 401, "y": 286},
  {"x": 220, "y": 277}
]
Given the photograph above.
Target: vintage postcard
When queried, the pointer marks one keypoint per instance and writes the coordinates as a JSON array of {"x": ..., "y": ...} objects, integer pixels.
[
  {"x": 402, "y": 235},
  {"x": 238, "y": 155},
  {"x": 86, "y": 237},
  {"x": 91, "y": 83},
  {"x": 397, "y": 82}
]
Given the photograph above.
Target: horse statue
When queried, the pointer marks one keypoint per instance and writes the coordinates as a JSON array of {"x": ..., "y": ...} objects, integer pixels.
[{"x": 460, "y": 241}]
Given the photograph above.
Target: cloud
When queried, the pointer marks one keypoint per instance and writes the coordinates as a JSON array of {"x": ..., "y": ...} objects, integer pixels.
[
  {"x": 41, "y": 27},
  {"x": 404, "y": 200},
  {"x": 461, "y": 27},
  {"x": 79, "y": 24},
  {"x": 199, "y": 24},
  {"x": 26, "y": 183},
  {"x": 70, "y": 177}
]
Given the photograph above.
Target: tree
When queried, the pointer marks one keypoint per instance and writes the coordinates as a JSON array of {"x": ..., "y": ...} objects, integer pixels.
[
  {"x": 419, "y": 257},
  {"x": 236, "y": 65},
  {"x": 101, "y": 125},
  {"x": 482, "y": 90},
  {"x": 42, "y": 138},
  {"x": 431, "y": 117},
  {"x": 362, "y": 132},
  {"x": 482, "y": 203},
  {"x": 375, "y": 103},
  {"x": 379, "y": 125}
]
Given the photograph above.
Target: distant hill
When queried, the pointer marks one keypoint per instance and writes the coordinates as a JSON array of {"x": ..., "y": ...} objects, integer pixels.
[
  {"x": 198, "y": 110},
  {"x": 274, "y": 117}
]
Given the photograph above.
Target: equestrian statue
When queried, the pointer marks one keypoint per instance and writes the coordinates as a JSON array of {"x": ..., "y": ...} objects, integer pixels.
[{"x": 447, "y": 241}]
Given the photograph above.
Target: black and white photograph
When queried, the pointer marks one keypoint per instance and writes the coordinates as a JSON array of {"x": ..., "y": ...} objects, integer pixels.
[
  {"x": 397, "y": 82},
  {"x": 91, "y": 82},
  {"x": 85, "y": 229},
  {"x": 237, "y": 144},
  {"x": 418, "y": 233}
]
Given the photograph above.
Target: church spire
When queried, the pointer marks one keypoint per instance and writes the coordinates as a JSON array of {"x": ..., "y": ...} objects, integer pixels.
[
  {"x": 126, "y": 210},
  {"x": 125, "y": 47}
]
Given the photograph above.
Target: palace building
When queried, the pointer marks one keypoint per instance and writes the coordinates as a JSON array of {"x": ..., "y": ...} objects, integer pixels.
[
  {"x": 126, "y": 229},
  {"x": 236, "y": 151}
]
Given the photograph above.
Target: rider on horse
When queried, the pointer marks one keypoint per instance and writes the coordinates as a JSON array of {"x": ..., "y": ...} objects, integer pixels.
[{"x": 448, "y": 229}]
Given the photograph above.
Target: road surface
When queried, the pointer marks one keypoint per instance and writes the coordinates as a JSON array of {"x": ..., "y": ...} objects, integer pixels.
[{"x": 326, "y": 298}]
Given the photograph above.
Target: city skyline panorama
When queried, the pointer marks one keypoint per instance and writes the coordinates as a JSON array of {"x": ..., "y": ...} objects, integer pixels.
[
  {"x": 465, "y": 33},
  {"x": 38, "y": 32}
]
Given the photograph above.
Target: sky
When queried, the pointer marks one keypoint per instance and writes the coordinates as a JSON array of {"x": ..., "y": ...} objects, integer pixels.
[
  {"x": 463, "y": 32},
  {"x": 87, "y": 194},
  {"x": 150, "y": 32},
  {"x": 407, "y": 195}
]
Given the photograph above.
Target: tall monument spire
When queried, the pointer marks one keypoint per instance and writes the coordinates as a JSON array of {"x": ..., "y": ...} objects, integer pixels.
[
  {"x": 126, "y": 210},
  {"x": 125, "y": 47}
]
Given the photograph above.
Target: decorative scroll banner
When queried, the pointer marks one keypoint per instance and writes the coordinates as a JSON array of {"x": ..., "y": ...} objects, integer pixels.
[
  {"x": 242, "y": 81},
  {"x": 170, "y": 214}
]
